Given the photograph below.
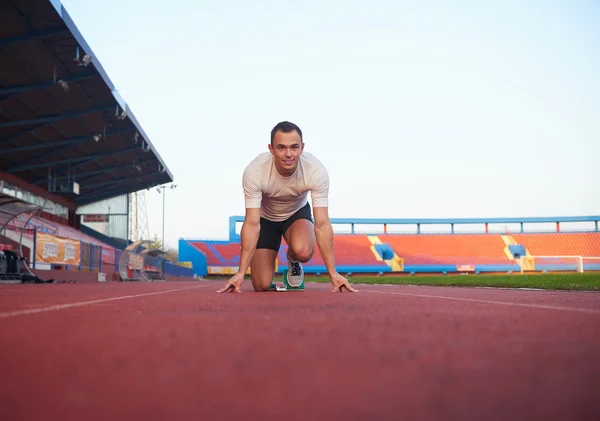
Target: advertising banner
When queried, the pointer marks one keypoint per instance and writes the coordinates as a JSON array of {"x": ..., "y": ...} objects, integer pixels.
[
  {"x": 57, "y": 250},
  {"x": 96, "y": 218}
]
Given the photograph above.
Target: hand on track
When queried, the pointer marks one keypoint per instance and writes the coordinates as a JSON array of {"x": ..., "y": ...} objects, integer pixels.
[
  {"x": 234, "y": 284},
  {"x": 339, "y": 283}
]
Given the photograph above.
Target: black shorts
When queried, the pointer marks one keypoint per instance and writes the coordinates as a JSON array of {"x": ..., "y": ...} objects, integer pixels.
[{"x": 271, "y": 232}]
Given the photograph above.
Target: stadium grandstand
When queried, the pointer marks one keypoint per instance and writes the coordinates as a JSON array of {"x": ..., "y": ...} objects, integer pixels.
[
  {"x": 429, "y": 246},
  {"x": 71, "y": 155}
]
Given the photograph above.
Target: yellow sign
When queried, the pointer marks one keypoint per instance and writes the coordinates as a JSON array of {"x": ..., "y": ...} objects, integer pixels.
[
  {"x": 224, "y": 270},
  {"x": 527, "y": 263}
]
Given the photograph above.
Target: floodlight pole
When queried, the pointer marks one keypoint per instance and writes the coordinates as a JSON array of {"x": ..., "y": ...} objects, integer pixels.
[
  {"x": 172, "y": 186},
  {"x": 163, "y": 220}
]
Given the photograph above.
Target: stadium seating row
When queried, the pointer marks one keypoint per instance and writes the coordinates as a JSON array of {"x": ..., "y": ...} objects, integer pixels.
[{"x": 427, "y": 249}]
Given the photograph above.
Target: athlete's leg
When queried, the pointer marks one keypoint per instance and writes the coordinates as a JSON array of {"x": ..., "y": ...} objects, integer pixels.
[
  {"x": 262, "y": 268},
  {"x": 300, "y": 237},
  {"x": 299, "y": 234},
  {"x": 262, "y": 265}
]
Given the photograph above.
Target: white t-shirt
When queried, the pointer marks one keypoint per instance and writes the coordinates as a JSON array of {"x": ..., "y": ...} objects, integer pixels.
[{"x": 280, "y": 197}]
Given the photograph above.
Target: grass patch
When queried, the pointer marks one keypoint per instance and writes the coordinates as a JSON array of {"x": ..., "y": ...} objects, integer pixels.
[{"x": 552, "y": 281}]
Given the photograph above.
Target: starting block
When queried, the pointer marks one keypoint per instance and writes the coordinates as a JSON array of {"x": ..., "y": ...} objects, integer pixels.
[{"x": 286, "y": 286}]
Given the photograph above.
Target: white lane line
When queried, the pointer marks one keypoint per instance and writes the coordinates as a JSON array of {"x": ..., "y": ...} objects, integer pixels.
[
  {"x": 87, "y": 303},
  {"x": 502, "y": 303}
]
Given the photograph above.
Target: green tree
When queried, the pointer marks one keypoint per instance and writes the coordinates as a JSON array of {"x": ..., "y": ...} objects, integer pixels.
[
  {"x": 172, "y": 253},
  {"x": 155, "y": 243}
]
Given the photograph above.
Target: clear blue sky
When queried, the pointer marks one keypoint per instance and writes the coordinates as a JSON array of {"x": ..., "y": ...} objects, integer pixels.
[{"x": 418, "y": 109}]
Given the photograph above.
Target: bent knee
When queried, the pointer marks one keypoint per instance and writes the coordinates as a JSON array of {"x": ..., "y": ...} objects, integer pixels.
[
  {"x": 303, "y": 253},
  {"x": 261, "y": 284}
]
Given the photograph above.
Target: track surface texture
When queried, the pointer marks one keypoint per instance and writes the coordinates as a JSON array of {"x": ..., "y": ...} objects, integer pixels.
[{"x": 179, "y": 351}]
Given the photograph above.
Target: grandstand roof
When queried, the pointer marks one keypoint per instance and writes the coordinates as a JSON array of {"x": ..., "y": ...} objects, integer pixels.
[{"x": 61, "y": 118}]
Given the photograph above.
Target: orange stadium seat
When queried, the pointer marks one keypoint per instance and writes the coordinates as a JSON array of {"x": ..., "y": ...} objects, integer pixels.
[
  {"x": 565, "y": 243},
  {"x": 459, "y": 249},
  {"x": 350, "y": 250}
]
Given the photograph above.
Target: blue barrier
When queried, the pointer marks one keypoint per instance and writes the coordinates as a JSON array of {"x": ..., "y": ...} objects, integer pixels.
[
  {"x": 171, "y": 269},
  {"x": 343, "y": 269},
  {"x": 429, "y": 268},
  {"x": 189, "y": 253},
  {"x": 497, "y": 268}
]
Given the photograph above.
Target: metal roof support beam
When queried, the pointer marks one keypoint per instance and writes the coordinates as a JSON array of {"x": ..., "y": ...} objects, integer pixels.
[
  {"x": 71, "y": 141},
  {"x": 112, "y": 182},
  {"x": 18, "y": 135},
  {"x": 70, "y": 161},
  {"x": 33, "y": 35},
  {"x": 87, "y": 177},
  {"x": 6, "y": 98},
  {"x": 44, "y": 85},
  {"x": 50, "y": 119},
  {"x": 90, "y": 174},
  {"x": 96, "y": 197},
  {"x": 51, "y": 152},
  {"x": 38, "y": 158},
  {"x": 45, "y": 164}
]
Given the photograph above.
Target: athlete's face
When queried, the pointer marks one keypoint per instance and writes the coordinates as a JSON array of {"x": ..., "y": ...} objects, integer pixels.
[{"x": 286, "y": 148}]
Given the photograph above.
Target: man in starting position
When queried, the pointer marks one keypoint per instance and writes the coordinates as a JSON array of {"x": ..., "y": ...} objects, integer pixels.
[{"x": 276, "y": 186}]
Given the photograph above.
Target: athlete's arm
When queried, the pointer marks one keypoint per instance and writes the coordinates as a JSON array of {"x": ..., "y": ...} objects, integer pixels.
[
  {"x": 250, "y": 228},
  {"x": 249, "y": 239},
  {"x": 323, "y": 228},
  {"x": 249, "y": 235},
  {"x": 324, "y": 236}
]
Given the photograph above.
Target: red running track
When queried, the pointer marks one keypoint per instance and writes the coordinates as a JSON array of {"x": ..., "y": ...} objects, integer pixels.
[{"x": 179, "y": 351}]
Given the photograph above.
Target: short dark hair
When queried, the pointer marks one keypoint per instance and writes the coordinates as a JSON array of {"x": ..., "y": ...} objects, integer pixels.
[{"x": 286, "y": 127}]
